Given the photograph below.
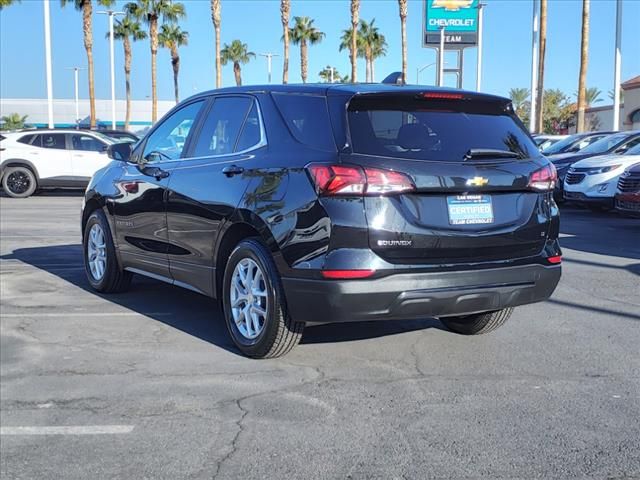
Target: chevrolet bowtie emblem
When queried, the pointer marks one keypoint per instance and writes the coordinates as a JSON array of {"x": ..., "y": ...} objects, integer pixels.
[
  {"x": 451, "y": 5},
  {"x": 477, "y": 182}
]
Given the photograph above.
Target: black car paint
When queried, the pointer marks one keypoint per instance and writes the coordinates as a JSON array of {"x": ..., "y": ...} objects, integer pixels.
[{"x": 181, "y": 228}]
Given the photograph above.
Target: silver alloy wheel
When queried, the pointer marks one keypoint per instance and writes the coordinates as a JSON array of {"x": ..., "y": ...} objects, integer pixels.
[
  {"x": 249, "y": 299},
  {"x": 97, "y": 252}
]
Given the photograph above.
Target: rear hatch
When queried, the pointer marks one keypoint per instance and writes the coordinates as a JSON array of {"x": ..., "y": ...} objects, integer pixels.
[{"x": 471, "y": 162}]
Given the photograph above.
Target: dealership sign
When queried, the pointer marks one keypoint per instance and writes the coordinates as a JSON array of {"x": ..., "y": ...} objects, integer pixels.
[{"x": 458, "y": 17}]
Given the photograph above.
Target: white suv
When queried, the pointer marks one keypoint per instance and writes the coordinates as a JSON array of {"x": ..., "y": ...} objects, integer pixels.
[
  {"x": 50, "y": 159},
  {"x": 593, "y": 181}
]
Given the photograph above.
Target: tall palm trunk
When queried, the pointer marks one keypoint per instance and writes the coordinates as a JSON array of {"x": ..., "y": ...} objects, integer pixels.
[
  {"x": 303, "y": 60},
  {"x": 238, "y": 73},
  {"x": 127, "y": 78},
  {"x": 87, "y": 10},
  {"x": 153, "y": 36},
  {"x": 285, "y": 8},
  {"x": 584, "y": 59},
  {"x": 175, "y": 63},
  {"x": 543, "y": 47},
  {"x": 355, "y": 19},
  {"x": 403, "y": 27},
  {"x": 373, "y": 71},
  {"x": 367, "y": 61},
  {"x": 216, "y": 17}
]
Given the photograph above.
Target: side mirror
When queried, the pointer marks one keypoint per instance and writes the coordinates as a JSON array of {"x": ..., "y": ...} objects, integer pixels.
[{"x": 119, "y": 151}]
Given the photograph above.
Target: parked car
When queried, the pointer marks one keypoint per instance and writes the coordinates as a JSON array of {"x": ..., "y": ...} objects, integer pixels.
[
  {"x": 574, "y": 143},
  {"x": 545, "y": 141},
  {"x": 50, "y": 159},
  {"x": 627, "y": 199},
  {"x": 311, "y": 204},
  {"x": 593, "y": 181},
  {"x": 613, "y": 144},
  {"x": 120, "y": 135}
]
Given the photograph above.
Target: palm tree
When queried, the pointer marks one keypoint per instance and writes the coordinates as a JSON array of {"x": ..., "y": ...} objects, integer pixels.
[
  {"x": 122, "y": 30},
  {"x": 6, "y": 3},
  {"x": 216, "y": 18},
  {"x": 285, "y": 10},
  {"x": 238, "y": 53},
  {"x": 519, "y": 97},
  {"x": 355, "y": 18},
  {"x": 326, "y": 75},
  {"x": 371, "y": 44},
  {"x": 543, "y": 46},
  {"x": 150, "y": 12},
  {"x": 13, "y": 121},
  {"x": 302, "y": 33},
  {"x": 172, "y": 37},
  {"x": 584, "y": 59},
  {"x": 86, "y": 7},
  {"x": 592, "y": 95},
  {"x": 402, "y": 5}
]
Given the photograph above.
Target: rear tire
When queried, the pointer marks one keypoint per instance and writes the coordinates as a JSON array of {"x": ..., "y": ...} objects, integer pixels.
[
  {"x": 19, "y": 182},
  {"x": 104, "y": 275},
  {"x": 255, "y": 308},
  {"x": 478, "y": 323}
]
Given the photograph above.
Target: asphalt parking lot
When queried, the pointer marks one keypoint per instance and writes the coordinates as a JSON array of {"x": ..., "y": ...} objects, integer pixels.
[{"x": 147, "y": 384}]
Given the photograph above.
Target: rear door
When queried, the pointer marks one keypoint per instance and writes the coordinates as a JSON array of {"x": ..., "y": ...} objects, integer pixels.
[
  {"x": 52, "y": 159},
  {"x": 88, "y": 154},
  {"x": 468, "y": 207},
  {"x": 206, "y": 188}
]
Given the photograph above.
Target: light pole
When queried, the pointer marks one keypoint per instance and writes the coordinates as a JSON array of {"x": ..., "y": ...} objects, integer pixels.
[
  {"x": 616, "y": 67},
  {"x": 479, "y": 65},
  {"x": 441, "y": 59},
  {"x": 47, "y": 50},
  {"x": 269, "y": 56},
  {"x": 534, "y": 65},
  {"x": 75, "y": 75},
  {"x": 111, "y": 14},
  {"x": 420, "y": 69}
]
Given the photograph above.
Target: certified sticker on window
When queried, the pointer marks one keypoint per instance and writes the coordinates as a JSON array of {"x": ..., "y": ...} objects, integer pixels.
[{"x": 470, "y": 209}]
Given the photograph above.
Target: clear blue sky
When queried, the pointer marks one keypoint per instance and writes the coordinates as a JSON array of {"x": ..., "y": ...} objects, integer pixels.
[{"x": 507, "y": 52}]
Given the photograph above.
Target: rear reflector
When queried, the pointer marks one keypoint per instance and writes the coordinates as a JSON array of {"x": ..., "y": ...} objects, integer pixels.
[
  {"x": 347, "y": 274},
  {"x": 353, "y": 180},
  {"x": 555, "y": 259},
  {"x": 544, "y": 179}
]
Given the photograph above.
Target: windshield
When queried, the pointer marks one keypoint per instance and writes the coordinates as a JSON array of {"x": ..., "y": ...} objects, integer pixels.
[
  {"x": 433, "y": 130},
  {"x": 104, "y": 137},
  {"x": 605, "y": 144},
  {"x": 562, "y": 145}
]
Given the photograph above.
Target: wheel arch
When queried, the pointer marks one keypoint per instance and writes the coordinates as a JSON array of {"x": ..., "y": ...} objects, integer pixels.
[{"x": 18, "y": 162}]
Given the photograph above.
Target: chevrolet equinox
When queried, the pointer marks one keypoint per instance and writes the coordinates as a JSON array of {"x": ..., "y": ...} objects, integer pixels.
[{"x": 331, "y": 203}]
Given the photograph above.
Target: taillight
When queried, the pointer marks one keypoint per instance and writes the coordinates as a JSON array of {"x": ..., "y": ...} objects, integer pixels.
[
  {"x": 544, "y": 179},
  {"x": 352, "y": 180}
]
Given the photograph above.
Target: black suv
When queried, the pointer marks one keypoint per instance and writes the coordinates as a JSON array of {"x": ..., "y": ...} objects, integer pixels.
[{"x": 316, "y": 204}]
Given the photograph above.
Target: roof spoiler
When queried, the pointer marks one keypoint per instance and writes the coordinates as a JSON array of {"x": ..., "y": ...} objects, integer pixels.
[{"x": 394, "y": 79}]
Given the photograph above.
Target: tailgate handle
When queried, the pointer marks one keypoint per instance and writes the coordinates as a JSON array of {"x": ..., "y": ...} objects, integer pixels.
[{"x": 232, "y": 170}]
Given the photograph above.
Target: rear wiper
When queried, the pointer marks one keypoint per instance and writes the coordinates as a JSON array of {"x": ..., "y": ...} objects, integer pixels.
[{"x": 490, "y": 153}]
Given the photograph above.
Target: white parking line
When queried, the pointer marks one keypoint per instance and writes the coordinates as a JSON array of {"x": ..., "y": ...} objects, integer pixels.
[
  {"x": 70, "y": 430},
  {"x": 86, "y": 314}
]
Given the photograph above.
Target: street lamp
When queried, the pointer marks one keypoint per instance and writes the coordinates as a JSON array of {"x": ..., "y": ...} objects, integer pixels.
[
  {"x": 111, "y": 14},
  {"x": 75, "y": 75},
  {"x": 269, "y": 56},
  {"x": 47, "y": 56},
  {"x": 420, "y": 69}
]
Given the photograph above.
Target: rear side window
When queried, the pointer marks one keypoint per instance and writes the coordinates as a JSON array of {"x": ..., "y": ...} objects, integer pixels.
[
  {"x": 55, "y": 141},
  {"x": 27, "y": 139},
  {"x": 222, "y": 126},
  {"x": 308, "y": 120},
  {"x": 433, "y": 130}
]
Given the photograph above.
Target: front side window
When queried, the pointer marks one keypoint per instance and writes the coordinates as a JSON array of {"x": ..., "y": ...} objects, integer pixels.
[
  {"x": 168, "y": 140},
  {"x": 54, "y": 141},
  {"x": 605, "y": 144},
  {"x": 628, "y": 145},
  {"x": 86, "y": 143},
  {"x": 222, "y": 127}
]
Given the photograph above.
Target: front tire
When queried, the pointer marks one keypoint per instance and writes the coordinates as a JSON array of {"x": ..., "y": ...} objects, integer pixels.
[
  {"x": 254, "y": 304},
  {"x": 19, "y": 182},
  {"x": 478, "y": 323},
  {"x": 100, "y": 262}
]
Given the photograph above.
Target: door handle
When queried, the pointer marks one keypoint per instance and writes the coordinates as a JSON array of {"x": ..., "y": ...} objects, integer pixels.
[
  {"x": 232, "y": 170},
  {"x": 155, "y": 172}
]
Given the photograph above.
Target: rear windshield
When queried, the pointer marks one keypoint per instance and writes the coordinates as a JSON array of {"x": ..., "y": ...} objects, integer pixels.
[{"x": 435, "y": 130}]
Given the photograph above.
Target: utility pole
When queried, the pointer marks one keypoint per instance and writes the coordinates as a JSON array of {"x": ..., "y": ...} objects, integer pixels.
[
  {"x": 534, "y": 65},
  {"x": 269, "y": 56},
  {"x": 47, "y": 50},
  {"x": 616, "y": 68},
  {"x": 479, "y": 64},
  {"x": 111, "y": 14},
  {"x": 75, "y": 76}
]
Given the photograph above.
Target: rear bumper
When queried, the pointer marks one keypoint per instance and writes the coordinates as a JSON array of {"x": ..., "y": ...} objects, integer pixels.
[{"x": 419, "y": 295}]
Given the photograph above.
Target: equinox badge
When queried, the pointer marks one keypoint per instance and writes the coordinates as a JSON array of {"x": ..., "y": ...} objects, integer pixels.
[{"x": 477, "y": 182}]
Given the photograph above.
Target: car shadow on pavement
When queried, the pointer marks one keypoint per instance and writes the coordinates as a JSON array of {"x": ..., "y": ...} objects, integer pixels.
[{"x": 187, "y": 311}]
